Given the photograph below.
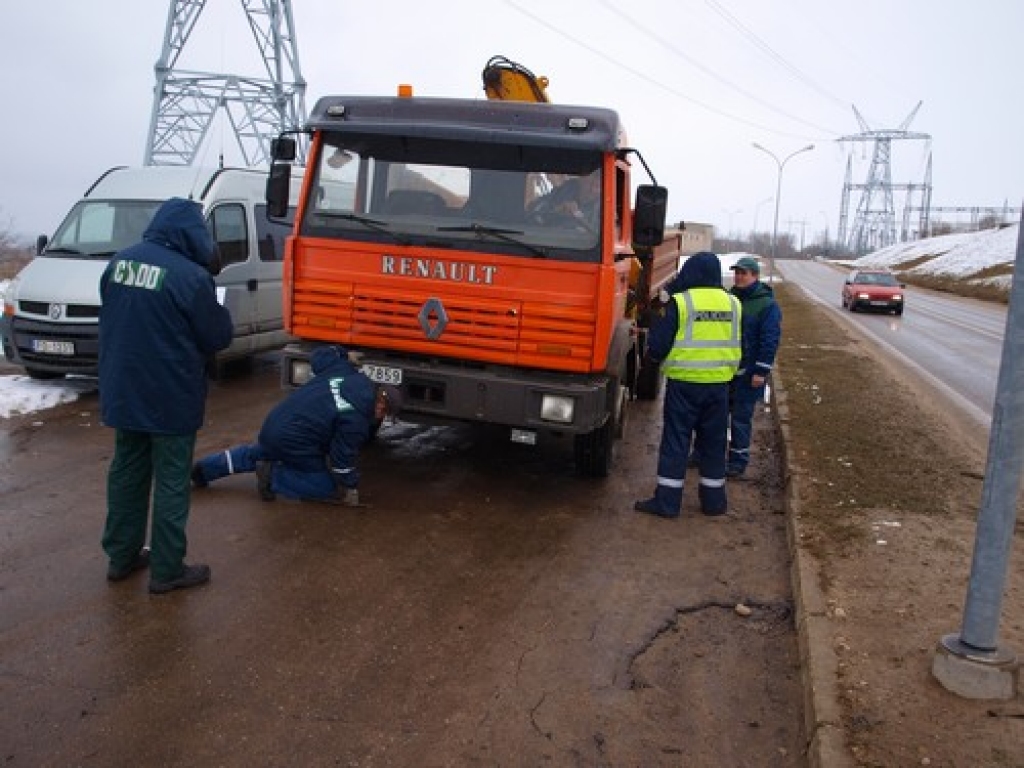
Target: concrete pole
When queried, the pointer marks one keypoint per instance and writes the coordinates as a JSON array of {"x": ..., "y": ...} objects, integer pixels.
[{"x": 972, "y": 664}]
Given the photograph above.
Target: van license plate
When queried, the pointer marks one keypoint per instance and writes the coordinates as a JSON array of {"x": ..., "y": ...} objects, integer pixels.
[
  {"x": 382, "y": 374},
  {"x": 46, "y": 347}
]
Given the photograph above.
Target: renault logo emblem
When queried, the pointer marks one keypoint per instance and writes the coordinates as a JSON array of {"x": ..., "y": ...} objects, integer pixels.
[
  {"x": 56, "y": 310},
  {"x": 433, "y": 319}
]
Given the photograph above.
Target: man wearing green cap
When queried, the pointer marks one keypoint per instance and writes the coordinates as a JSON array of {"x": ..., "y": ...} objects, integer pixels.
[{"x": 762, "y": 330}]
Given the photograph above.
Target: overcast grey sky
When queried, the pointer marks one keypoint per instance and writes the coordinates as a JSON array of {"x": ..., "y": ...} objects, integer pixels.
[{"x": 695, "y": 81}]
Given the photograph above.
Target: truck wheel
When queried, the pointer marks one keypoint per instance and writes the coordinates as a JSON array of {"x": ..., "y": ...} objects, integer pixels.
[
  {"x": 595, "y": 451},
  {"x": 648, "y": 381}
]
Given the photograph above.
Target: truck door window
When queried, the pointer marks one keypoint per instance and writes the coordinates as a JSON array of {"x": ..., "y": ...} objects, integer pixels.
[
  {"x": 230, "y": 232},
  {"x": 336, "y": 182}
]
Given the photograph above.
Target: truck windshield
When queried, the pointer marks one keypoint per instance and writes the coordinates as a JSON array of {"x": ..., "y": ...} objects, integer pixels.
[
  {"x": 97, "y": 229},
  {"x": 518, "y": 201}
]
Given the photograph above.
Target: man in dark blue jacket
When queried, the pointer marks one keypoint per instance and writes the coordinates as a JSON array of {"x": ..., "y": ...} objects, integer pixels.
[
  {"x": 159, "y": 323},
  {"x": 309, "y": 443},
  {"x": 762, "y": 331}
]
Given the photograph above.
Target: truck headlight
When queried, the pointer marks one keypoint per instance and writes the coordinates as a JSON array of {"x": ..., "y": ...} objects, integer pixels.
[{"x": 557, "y": 408}]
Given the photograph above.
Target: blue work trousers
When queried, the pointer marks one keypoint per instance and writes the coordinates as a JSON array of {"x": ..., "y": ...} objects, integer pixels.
[
  {"x": 744, "y": 399},
  {"x": 697, "y": 413},
  {"x": 286, "y": 480}
]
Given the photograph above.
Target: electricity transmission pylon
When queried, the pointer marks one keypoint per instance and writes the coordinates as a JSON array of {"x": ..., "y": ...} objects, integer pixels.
[
  {"x": 185, "y": 103},
  {"x": 875, "y": 223}
]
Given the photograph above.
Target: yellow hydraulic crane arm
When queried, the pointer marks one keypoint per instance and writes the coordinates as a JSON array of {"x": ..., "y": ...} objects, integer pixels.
[{"x": 505, "y": 80}]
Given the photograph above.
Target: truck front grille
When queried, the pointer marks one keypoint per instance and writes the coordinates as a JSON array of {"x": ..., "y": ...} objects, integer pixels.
[{"x": 506, "y": 331}]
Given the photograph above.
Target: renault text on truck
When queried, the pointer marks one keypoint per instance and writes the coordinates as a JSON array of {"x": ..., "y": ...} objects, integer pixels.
[
  {"x": 51, "y": 310},
  {"x": 445, "y": 242}
]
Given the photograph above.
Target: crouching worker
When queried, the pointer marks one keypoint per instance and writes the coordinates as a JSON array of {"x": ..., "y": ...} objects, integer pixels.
[{"x": 309, "y": 443}]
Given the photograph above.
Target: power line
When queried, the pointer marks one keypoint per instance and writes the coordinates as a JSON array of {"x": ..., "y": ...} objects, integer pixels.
[
  {"x": 772, "y": 53},
  {"x": 877, "y": 76},
  {"x": 709, "y": 72},
  {"x": 648, "y": 78}
]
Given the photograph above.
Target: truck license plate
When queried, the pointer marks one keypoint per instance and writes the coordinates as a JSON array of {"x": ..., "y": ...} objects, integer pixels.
[
  {"x": 382, "y": 374},
  {"x": 46, "y": 347}
]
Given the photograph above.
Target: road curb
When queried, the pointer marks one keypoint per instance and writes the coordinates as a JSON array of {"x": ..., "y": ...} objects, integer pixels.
[{"x": 826, "y": 741}]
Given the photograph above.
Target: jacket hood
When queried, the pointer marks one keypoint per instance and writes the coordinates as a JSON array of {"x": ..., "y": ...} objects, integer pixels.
[
  {"x": 702, "y": 270},
  {"x": 326, "y": 357},
  {"x": 179, "y": 224}
]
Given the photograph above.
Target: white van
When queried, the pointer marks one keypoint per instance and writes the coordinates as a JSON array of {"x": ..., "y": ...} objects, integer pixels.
[{"x": 51, "y": 310}]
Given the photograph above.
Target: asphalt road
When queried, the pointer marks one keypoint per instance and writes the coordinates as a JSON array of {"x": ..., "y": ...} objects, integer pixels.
[
  {"x": 490, "y": 609},
  {"x": 955, "y": 343}
]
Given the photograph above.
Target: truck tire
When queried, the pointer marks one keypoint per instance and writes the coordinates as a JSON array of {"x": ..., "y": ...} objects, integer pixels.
[
  {"x": 648, "y": 380},
  {"x": 595, "y": 451}
]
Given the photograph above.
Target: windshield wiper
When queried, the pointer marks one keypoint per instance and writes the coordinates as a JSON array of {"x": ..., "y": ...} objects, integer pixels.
[
  {"x": 366, "y": 221},
  {"x": 504, "y": 235}
]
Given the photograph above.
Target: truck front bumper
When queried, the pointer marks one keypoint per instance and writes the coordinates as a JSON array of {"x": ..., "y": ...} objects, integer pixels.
[{"x": 440, "y": 391}]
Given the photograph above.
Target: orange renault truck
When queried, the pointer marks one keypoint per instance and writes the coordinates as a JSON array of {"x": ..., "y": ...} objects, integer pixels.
[{"x": 449, "y": 244}]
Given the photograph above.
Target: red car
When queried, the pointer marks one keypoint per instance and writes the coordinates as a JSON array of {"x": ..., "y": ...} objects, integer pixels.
[{"x": 873, "y": 289}]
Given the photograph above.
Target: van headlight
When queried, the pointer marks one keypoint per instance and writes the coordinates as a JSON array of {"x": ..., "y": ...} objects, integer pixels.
[
  {"x": 557, "y": 408},
  {"x": 10, "y": 296}
]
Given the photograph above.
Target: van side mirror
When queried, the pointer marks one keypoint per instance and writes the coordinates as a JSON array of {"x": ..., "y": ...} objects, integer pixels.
[
  {"x": 41, "y": 243},
  {"x": 283, "y": 148},
  {"x": 649, "y": 215},
  {"x": 278, "y": 189}
]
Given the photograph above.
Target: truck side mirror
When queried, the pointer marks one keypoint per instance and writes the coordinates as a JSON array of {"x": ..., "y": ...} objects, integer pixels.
[
  {"x": 278, "y": 188},
  {"x": 649, "y": 215},
  {"x": 283, "y": 148},
  {"x": 41, "y": 243}
]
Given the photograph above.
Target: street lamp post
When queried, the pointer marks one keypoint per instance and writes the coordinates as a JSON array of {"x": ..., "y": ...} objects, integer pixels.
[
  {"x": 778, "y": 195},
  {"x": 757, "y": 214},
  {"x": 730, "y": 214}
]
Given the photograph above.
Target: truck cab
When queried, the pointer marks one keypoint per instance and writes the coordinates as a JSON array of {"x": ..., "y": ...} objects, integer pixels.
[{"x": 479, "y": 254}]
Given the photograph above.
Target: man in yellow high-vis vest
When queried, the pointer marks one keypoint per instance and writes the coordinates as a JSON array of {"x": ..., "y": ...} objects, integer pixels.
[{"x": 698, "y": 344}]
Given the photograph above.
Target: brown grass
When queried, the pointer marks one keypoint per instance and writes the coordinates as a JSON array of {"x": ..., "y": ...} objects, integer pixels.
[
  {"x": 858, "y": 437},
  {"x": 962, "y": 286},
  {"x": 11, "y": 263}
]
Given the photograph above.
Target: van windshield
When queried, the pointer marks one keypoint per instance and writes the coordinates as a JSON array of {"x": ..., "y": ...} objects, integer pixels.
[
  {"x": 520, "y": 201},
  {"x": 97, "y": 229}
]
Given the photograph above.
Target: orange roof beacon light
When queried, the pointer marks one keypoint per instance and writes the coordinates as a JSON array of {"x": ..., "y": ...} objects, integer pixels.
[{"x": 404, "y": 91}]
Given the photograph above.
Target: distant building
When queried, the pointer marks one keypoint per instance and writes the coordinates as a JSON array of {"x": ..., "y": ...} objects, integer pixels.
[{"x": 696, "y": 237}]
